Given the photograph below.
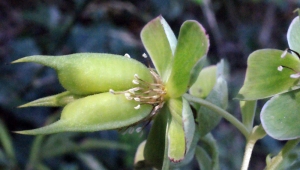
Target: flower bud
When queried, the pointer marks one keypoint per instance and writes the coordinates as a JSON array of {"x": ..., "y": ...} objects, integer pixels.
[
  {"x": 91, "y": 73},
  {"x": 96, "y": 112}
]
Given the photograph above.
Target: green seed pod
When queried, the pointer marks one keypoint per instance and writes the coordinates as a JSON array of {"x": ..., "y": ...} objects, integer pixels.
[
  {"x": 96, "y": 112},
  {"x": 91, "y": 73}
]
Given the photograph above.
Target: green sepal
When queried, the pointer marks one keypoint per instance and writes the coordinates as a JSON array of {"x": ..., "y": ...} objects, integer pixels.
[
  {"x": 57, "y": 100},
  {"x": 192, "y": 45},
  {"x": 181, "y": 129},
  {"x": 205, "y": 82},
  {"x": 160, "y": 42},
  {"x": 155, "y": 145},
  {"x": 263, "y": 79},
  {"x": 293, "y": 34},
  {"x": 197, "y": 69},
  {"x": 94, "y": 113},
  {"x": 280, "y": 116}
]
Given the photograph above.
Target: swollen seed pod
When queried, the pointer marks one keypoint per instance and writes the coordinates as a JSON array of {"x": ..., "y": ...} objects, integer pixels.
[
  {"x": 91, "y": 73},
  {"x": 96, "y": 112}
]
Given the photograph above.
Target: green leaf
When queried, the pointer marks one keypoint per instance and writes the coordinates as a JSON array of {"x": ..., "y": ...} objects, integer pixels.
[
  {"x": 6, "y": 143},
  {"x": 293, "y": 34},
  {"x": 205, "y": 82},
  {"x": 192, "y": 44},
  {"x": 263, "y": 78},
  {"x": 280, "y": 116},
  {"x": 160, "y": 42},
  {"x": 208, "y": 119}
]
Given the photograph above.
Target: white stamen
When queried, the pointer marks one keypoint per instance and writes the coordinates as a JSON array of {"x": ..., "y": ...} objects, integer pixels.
[
  {"x": 137, "y": 99},
  {"x": 133, "y": 90},
  {"x": 145, "y": 55},
  {"x": 279, "y": 68},
  {"x": 295, "y": 76},
  {"x": 111, "y": 91},
  {"x": 137, "y": 107},
  {"x": 135, "y": 82},
  {"x": 127, "y": 55},
  {"x": 284, "y": 54}
]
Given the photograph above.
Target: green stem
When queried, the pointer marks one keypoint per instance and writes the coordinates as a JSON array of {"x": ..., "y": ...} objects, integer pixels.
[
  {"x": 213, "y": 150},
  {"x": 283, "y": 153},
  {"x": 258, "y": 132},
  {"x": 221, "y": 112}
]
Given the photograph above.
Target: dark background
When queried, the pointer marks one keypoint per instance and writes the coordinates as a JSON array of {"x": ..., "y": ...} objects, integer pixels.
[{"x": 236, "y": 28}]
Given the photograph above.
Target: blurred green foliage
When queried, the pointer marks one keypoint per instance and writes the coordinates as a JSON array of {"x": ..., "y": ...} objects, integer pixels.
[{"x": 236, "y": 28}]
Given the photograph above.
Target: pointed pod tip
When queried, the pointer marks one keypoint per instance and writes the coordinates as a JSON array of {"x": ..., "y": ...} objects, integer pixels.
[{"x": 59, "y": 126}]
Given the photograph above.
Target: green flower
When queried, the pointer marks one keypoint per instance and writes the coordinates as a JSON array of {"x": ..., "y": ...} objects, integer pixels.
[{"x": 177, "y": 64}]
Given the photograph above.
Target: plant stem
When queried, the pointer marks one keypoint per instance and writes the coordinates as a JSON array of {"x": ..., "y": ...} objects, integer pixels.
[
  {"x": 234, "y": 121},
  {"x": 258, "y": 132},
  {"x": 284, "y": 151}
]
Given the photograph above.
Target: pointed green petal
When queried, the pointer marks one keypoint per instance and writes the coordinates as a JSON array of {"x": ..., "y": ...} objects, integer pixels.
[
  {"x": 280, "y": 116},
  {"x": 192, "y": 44},
  {"x": 60, "y": 99},
  {"x": 160, "y": 42},
  {"x": 293, "y": 35},
  {"x": 263, "y": 78}
]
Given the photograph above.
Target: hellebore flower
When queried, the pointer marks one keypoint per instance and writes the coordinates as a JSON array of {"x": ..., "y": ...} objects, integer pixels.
[
  {"x": 275, "y": 73},
  {"x": 178, "y": 64},
  {"x": 109, "y": 92}
]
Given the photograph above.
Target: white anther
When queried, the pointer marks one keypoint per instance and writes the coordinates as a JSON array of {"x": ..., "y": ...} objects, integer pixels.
[
  {"x": 136, "y": 76},
  {"x": 137, "y": 107},
  {"x": 295, "y": 76},
  {"x": 127, "y": 94},
  {"x": 127, "y": 55},
  {"x": 135, "y": 82},
  {"x": 133, "y": 90},
  {"x": 155, "y": 97},
  {"x": 284, "y": 54},
  {"x": 111, "y": 91},
  {"x": 279, "y": 68},
  {"x": 137, "y": 99},
  {"x": 145, "y": 55}
]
